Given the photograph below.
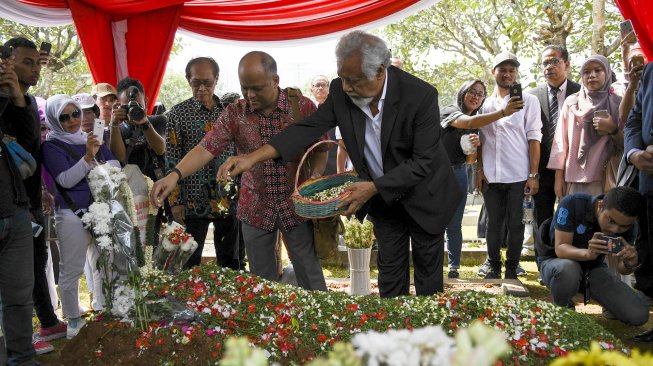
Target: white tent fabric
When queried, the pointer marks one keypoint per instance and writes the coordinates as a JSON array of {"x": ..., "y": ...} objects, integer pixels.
[{"x": 35, "y": 15}]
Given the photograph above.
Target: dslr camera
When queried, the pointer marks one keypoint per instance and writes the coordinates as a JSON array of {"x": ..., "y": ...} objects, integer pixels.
[{"x": 134, "y": 110}]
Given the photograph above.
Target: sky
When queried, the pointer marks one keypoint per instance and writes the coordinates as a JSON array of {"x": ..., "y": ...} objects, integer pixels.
[{"x": 297, "y": 62}]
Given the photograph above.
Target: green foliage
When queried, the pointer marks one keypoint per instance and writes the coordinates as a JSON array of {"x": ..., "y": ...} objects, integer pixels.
[
  {"x": 174, "y": 89},
  {"x": 455, "y": 40},
  {"x": 67, "y": 71}
]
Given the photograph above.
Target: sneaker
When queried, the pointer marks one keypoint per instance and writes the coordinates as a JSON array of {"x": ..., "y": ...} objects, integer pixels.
[
  {"x": 74, "y": 330},
  {"x": 484, "y": 268},
  {"x": 453, "y": 273},
  {"x": 527, "y": 252},
  {"x": 53, "y": 332},
  {"x": 41, "y": 346},
  {"x": 520, "y": 270}
]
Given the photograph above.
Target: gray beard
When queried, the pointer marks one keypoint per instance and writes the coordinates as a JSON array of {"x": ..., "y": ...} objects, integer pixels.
[{"x": 360, "y": 101}]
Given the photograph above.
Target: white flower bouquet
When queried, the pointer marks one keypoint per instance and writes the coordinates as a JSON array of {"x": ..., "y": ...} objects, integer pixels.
[
  {"x": 478, "y": 345},
  {"x": 175, "y": 248},
  {"x": 110, "y": 218}
]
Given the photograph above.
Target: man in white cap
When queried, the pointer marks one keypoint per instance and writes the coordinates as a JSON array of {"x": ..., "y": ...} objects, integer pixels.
[
  {"x": 507, "y": 166},
  {"x": 105, "y": 95},
  {"x": 90, "y": 110}
]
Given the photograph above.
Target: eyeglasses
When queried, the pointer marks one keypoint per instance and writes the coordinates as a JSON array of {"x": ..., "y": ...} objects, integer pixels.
[
  {"x": 195, "y": 83},
  {"x": 67, "y": 117},
  {"x": 552, "y": 62},
  {"x": 473, "y": 93},
  {"x": 321, "y": 85}
]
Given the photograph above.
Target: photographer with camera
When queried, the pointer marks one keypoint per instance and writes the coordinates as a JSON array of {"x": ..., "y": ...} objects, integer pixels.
[
  {"x": 136, "y": 138},
  {"x": 582, "y": 233}
]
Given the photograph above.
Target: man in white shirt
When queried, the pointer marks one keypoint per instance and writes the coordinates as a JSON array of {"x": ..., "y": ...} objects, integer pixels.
[{"x": 508, "y": 165}]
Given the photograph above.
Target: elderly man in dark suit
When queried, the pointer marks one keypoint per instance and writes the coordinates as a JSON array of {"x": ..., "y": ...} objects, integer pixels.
[
  {"x": 389, "y": 124},
  {"x": 552, "y": 94},
  {"x": 638, "y": 147}
]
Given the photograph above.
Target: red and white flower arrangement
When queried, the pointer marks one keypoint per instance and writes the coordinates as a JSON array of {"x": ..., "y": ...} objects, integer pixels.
[{"x": 176, "y": 247}]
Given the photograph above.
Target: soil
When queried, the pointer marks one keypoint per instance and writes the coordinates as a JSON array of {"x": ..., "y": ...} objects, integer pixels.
[{"x": 114, "y": 345}]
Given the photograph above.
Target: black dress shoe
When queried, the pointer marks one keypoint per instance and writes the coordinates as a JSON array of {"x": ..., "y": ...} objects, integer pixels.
[{"x": 644, "y": 337}]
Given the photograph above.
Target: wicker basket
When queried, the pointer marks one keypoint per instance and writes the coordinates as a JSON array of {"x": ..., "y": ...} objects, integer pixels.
[{"x": 320, "y": 209}]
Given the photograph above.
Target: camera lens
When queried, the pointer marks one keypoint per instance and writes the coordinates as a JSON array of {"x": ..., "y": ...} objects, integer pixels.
[{"x": 136, "y": 112}]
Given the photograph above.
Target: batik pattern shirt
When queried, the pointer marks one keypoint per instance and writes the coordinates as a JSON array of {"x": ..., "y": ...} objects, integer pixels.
[
  {"x": 266, "y": 189},
  {"x": 200, "y": 193}
]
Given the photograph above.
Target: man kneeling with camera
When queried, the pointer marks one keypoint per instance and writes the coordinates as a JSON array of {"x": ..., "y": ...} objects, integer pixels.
[{"x": 583, "y": 231}]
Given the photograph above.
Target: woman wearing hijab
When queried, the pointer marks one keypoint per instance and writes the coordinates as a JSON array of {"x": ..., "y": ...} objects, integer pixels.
[
  {"x": 69, "y": 155},
  {"x": 460, "y": 122},
  {"x": 589, "y": 132}
]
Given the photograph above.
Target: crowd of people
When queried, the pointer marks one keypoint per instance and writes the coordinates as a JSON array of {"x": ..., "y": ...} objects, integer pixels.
[{"x": 560, "y": 141}]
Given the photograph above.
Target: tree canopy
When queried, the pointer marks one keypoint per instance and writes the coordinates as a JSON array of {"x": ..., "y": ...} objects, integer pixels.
[{"x": 455, "y": 40}]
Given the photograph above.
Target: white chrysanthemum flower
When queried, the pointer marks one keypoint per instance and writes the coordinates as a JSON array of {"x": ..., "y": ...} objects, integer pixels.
[
  {"x": 123, "y": 301},
  {"x": 104, "y": 242}
]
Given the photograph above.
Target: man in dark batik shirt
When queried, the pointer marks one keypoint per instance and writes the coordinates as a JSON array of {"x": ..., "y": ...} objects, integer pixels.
[{"x": 199, "y": 199}]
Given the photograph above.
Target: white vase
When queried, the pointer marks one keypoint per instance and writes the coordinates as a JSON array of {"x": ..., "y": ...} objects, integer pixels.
[{"x": 359, "y": 271}]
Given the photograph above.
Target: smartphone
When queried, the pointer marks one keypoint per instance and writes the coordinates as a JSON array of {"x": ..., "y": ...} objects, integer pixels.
[
  {"x": 5, "y": 52},
  {"x": 602, "y": 113},
  {"x": 46, "y": 47},
  {"x": 614, "y": 244},
  {"x": 515, "y": 91},
  {"x": 98, "y": 129},
  {"x": 626, "y": 30},
  {"x": 36, "y": 229}
]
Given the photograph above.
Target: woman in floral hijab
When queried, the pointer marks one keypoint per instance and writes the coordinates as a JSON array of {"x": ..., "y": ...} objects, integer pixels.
[
  {"x": 588, "y": 133},
  {"x": 68, "y": 155}
]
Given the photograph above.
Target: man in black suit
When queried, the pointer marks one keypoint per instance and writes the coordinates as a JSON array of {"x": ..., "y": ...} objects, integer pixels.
[
  {"x": 638, "y": 148},
  {"x": 389, "y": 122},
  {"x": 555, "y": 64}
]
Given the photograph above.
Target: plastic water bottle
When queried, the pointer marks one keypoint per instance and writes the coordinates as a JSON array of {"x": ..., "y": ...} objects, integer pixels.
[{"x": 528, "y": 214}]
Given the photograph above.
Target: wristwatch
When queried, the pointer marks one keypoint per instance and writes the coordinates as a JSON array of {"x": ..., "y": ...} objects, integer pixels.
[
  {"x": 145, "y": 126},
  {"x": 535, "y": 176}
]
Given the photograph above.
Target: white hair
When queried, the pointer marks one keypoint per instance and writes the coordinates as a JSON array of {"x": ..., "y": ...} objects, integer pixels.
[{"x": 372, "y": 50}]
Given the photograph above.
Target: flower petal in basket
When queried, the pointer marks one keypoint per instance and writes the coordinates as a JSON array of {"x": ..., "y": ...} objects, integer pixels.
[{"x": 312, "y": 209}]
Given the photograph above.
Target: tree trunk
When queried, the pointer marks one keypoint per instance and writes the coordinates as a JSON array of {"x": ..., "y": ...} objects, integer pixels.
[{"x": 598, "y": 27}]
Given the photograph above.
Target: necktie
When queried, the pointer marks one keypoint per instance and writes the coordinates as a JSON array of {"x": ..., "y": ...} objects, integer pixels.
[{"x": 553, "y": 110}]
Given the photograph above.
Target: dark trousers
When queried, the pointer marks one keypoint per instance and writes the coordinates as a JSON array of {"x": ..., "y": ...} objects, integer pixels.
[
  {"x": 545, "y": 198},
  {"x": 41, "y": 292},
  {"x": 16, "y": 284},
  {"x": 644, "y": 275},
  {"x": 396, "y": 232},
  {"x": 504, "y": 200},
  {"x": 225, "y": 240},
  {"x": 301, "y": 250}
]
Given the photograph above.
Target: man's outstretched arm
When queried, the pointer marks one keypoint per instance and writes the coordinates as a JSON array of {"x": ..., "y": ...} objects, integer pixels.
[
  {"x": 195, "y": 160},
  {"x": 241, "y": 163}
]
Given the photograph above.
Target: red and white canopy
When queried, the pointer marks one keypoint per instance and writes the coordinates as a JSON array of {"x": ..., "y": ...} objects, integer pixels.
[{"x": 134, "y": 37}]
